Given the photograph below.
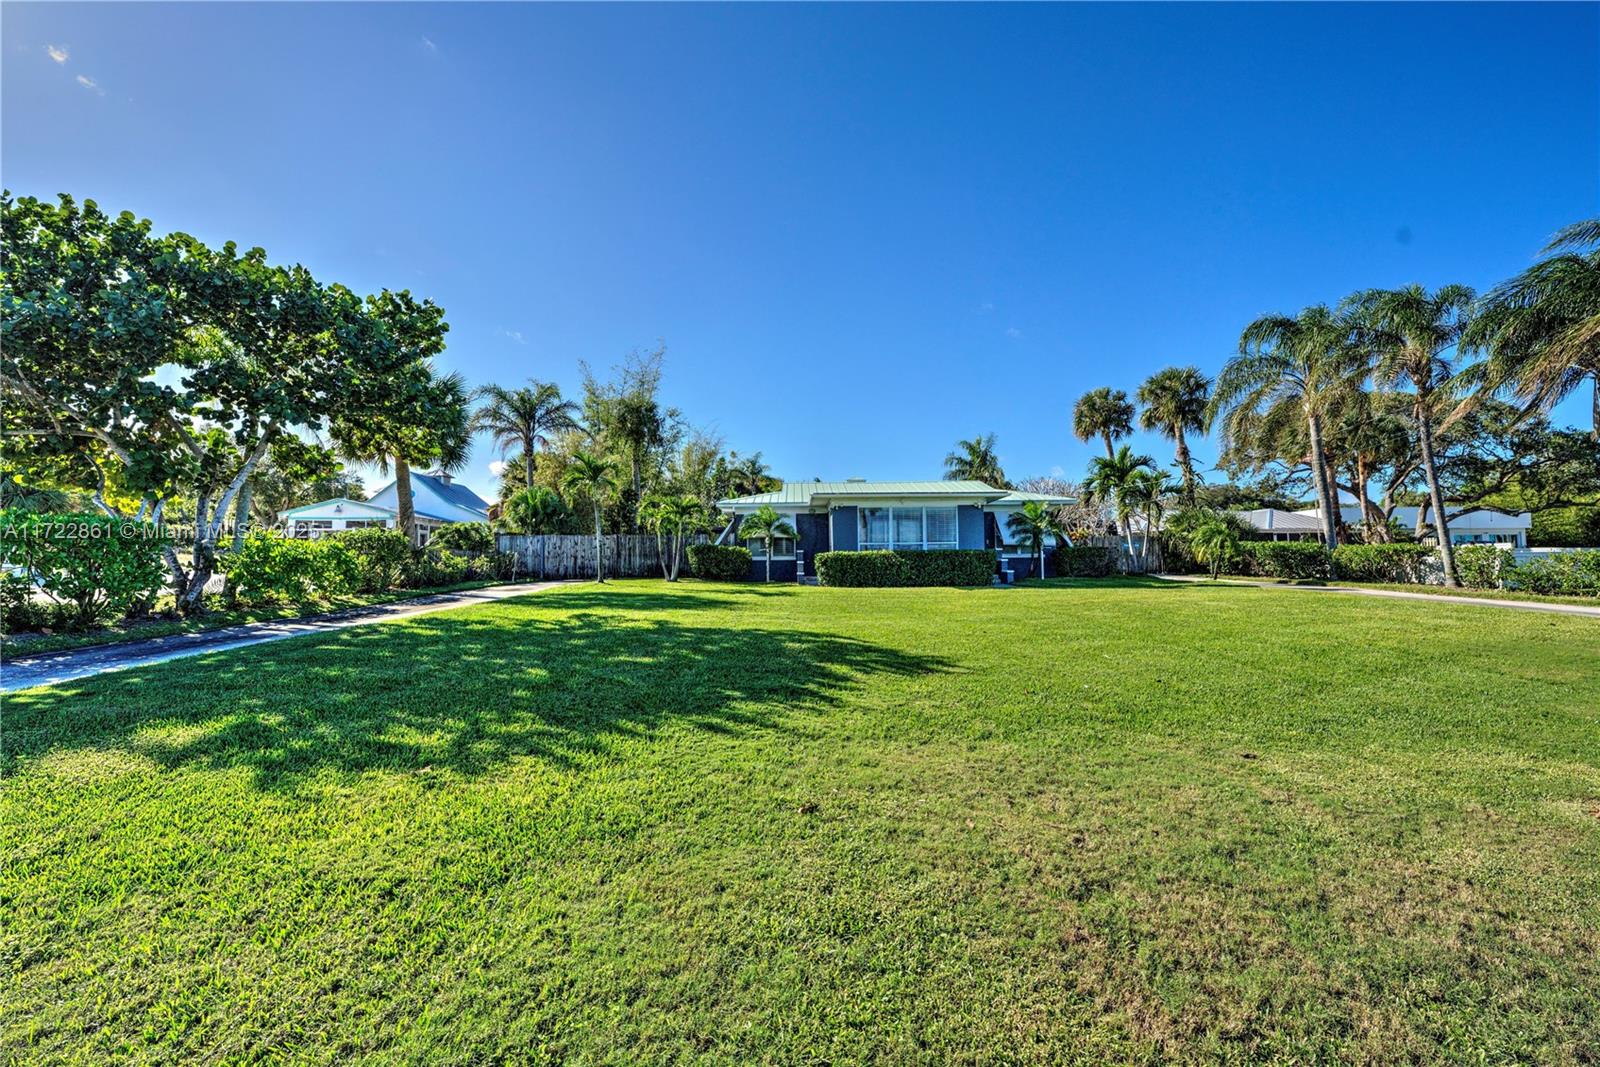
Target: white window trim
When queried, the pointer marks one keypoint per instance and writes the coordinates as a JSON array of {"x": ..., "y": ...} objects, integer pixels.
[
  {"x": 892, "y": 545},
  {"x": 761, "y": 554}
]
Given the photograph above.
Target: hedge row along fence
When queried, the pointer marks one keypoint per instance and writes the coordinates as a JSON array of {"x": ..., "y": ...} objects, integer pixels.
[
  {"x": 956, "y": 566},
  {"x": 1478, "y": 566}
]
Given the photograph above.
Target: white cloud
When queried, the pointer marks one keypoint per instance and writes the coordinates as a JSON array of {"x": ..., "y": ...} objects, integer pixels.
[
  {"x": 1059, "y": 471},
  {"x": 57, "y": 52},
  {"x": 89, "y": 83},
  {"x": 429, "y": 45},
  {"x": 986, "y": 307},
  {"x": 497, "y": 467},
  {"x": 515, "y": 335},
  {"x": 1013, "y": 333}
]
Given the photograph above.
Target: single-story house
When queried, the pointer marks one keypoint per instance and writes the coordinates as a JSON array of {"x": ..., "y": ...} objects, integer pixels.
[
  {"x": 856, "y": 514},
  {"x": 436, "y": 499},
  {"x": 1479, "y": 526}
]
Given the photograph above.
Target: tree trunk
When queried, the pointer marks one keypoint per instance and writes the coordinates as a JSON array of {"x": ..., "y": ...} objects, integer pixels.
[
  {"x": 769, "y": 559},
  {"x": 1185, "y": 464},
  {"x": 405, "y": 509},
  {"x": 1441, "y": 524},
  {"x": 527, "y": 464},
  {"x": 1319, "y": 475},
  {"x": 241, "y": 514},
  {"x": 599, "y": 548},
  {"x": 1110, "y": 453}
]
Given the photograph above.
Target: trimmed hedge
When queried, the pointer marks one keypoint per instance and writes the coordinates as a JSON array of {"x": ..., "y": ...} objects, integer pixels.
[
  {"x": 720, "y": 563},
  {"x": 1558, "y": 574},
  {"x": 1482, "y": 566},
  {"x": 1284, "y": 559},
  {"x": 91, "y": 567},
  {"x": 383, "y": 555},
  {"x": 270, "y": 567},
  {"x": 954, "y": 566},
  {"x": 1086, "y": 561},
  {"x": 1405, "y": 564}
]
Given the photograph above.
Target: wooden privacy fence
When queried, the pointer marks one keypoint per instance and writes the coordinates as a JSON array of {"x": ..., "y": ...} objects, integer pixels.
[
  {"x": 572, "y": 555},
  {"x": 1126, "y": 563}
]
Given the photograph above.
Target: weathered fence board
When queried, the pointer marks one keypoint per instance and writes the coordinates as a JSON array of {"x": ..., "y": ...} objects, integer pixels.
[
  {"x": 572, "y": 555},
  {"x": 1127, "y": 563}
]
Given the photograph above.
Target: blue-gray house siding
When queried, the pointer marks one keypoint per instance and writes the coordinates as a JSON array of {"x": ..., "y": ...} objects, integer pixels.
[{"x": 846, "y": 535}]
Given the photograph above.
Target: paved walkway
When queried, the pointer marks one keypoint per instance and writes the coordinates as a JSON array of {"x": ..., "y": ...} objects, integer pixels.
[
  {"x": 1401, "y": 594},
  {"x": 50, "y": 668}
]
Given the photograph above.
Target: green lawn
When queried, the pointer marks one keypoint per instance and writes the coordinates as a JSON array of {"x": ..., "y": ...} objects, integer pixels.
[{"x": 1098, "y": 821}]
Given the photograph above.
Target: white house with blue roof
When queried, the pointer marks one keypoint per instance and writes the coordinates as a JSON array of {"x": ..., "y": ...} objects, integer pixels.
[
  {"x": 856, "y": 515},
  {"x": 436, "y": 498}
]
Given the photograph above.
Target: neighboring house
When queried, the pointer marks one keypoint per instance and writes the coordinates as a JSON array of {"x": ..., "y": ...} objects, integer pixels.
[
  {"x": 1469, "y": 527},
  {"x": 436, "y": 499},
  {"x": 1479, "y": 526},
  {"x": 856, "y": 515},
  {"x": 1275, "y": 524}
]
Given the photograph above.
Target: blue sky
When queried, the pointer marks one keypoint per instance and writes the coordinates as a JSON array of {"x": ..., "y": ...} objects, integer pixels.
[{"x": 862, "y": 232}]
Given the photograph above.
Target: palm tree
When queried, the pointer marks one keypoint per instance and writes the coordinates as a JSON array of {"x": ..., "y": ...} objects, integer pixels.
[
  {"x": 433, "y": 429},
  {"x": 680, "y": 516},
  {"x": 524, "y": 418},
  {"x": 1112, "y": 482},
  {"x": 1031, "y": 524},
  {"x": 1541, "y": 329},
  {"x": 1147, "y": 489},
  {"x": 749, "y": 475},
  {"x": 595, "y": 476},
  {"x": 1305, "y": 363},
  {"x": 539, "y": 510},
  {"x": 1175, "y": 404},
  {"x": 976, "y": 461},
  {"x": 765, "y": 524},
  {"x": 1409, "y": 332},
  {"x": 1214, "y": 543},
  {"x": 1102, "y": 413}
]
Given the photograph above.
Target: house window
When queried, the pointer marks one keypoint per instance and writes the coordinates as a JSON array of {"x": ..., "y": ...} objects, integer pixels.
[
  {"x": 363, "y": 524},
  {"x": 909, "y": 529},
  {"x": 312, "y": 527},
  {"x": 782, "y": 547}
]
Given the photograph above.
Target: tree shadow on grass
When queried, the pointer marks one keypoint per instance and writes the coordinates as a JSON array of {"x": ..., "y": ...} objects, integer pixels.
[{"x": 457, "y": 691}]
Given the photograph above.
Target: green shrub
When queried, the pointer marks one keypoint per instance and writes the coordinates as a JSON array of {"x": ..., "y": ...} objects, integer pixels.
[
  {"x": 1557, "y": 574},
  {"x": 945, "y": 567},
  {"x": 720, "y": 563},
  {"x": 382, "y": 554},
  {"x": 92, "y": 567},
  {"x": 1574, "y": 527},
  {"x": 19, "y": 610},
  {"x": 1405, "y": 564},
  {"x": 1482, "y": 566},
  {"x": 1085, "y": 561},
  {"x": 1295, "y": 560},
  {"x": 467, "y": 538},
  {"x": 270, "y": 567},
  {"x": 430, "y": 567},
  {"x": 857, "y": 569}
]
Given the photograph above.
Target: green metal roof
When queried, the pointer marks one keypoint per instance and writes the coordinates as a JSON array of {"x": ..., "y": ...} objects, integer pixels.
[{"x": 801, "y": 493}]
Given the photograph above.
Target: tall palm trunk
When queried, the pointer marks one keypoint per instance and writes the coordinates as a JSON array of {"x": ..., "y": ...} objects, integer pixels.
[
  {"x": 1106, "y": 437},
  {"x": 599, "y": 548},
  {"x": 1326, "y": 501},
  {"x": 405, "y": 508},
  {"x": 769, "y": 559},
  {"x": 1441, "y": 525},
  {"x": 527, "y": 464},
  {"x": 1185, "y": 463}
]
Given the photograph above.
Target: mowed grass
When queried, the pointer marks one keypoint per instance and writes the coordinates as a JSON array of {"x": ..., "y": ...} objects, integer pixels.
[{"x": 645, "y": 823}]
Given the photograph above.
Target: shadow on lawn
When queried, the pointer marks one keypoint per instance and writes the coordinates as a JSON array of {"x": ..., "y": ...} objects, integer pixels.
[{"x": 457, "y": 691}]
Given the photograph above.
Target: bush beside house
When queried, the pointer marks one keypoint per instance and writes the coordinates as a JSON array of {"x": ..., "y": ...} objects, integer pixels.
[
  {"x": 1403, "y": 563},
  {"x": 720, "y": 563},
  {"x": 1293, "y": 560},
  {"x": 942, "y": 567}
]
